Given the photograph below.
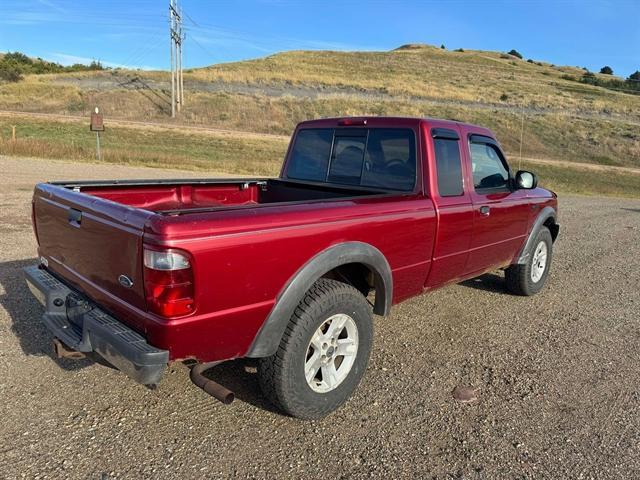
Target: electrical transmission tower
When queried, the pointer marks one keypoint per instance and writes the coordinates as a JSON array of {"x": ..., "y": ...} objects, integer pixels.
[{"x": 177, "y": 37}]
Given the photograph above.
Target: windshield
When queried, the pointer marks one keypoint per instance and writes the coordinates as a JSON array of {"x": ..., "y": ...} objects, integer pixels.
[{"x": 369, "y": 157}]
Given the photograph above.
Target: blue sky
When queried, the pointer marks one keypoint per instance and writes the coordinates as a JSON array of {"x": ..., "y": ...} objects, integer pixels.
[{"x": 133, "y": 33}]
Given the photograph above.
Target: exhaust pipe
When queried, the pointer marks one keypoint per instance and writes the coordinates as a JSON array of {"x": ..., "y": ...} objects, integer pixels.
[{"x": 214, "y": 389}]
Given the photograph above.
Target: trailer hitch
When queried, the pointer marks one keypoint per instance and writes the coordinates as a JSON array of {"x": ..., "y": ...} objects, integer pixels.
[{"x": 63, "y": 351}]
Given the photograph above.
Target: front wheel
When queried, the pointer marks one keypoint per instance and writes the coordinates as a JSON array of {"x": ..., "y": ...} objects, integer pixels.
[
  {"x": 323, "y": 353},
  {"x": 528, "y": 279}
]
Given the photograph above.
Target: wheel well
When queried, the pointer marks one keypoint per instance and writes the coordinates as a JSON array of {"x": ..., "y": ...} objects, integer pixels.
[
  {"x": 553, "y": 227},
  {"x": 359, "y": 275}
]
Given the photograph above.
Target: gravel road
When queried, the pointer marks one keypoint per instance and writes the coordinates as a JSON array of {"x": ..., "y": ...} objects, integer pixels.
[{"x": 557, "y": 377}]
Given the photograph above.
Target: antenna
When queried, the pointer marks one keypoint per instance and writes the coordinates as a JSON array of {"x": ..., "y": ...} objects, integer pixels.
[{"x": 521, "y": 137}]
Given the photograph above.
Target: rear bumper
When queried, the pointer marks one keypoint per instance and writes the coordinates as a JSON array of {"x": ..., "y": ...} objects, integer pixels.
[{"x": 89, "y": 329}]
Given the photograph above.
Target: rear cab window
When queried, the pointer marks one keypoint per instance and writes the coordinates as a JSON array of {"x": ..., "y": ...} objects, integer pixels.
[{"x": 381, "y": 158}]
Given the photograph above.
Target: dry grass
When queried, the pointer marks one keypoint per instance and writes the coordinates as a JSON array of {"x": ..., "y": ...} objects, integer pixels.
[
  {"x": 472, "y": 76},
  {"x": 236, "y": 154},
  {"x": 565, "y": 120},
  {"x": 153, "y": 147}
]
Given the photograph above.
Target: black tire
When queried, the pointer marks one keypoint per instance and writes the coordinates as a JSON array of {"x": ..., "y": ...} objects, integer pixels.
[
  {"x": 518, "y": 277},
  {"x": 282, "y": 375}
]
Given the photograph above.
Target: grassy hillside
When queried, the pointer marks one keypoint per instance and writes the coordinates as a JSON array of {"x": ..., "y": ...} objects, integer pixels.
[
  {"x": 564, "y": 119},
  {"x": 241, "y": 153}
]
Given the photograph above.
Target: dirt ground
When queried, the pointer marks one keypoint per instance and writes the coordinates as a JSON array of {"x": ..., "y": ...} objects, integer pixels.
[{"x": 557, "y": 377}]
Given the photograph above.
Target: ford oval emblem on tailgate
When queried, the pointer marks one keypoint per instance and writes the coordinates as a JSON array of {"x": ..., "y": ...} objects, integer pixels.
[{"x": 125, "y": 281}]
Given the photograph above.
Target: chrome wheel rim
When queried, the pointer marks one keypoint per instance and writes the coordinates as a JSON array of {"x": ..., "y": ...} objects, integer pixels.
[
  {"x": 331, "y": 353},
  {"x": 539, "y": 263}
]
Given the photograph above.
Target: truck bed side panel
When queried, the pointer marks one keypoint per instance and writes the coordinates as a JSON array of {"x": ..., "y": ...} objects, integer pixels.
[{"x": 243, "y": 260}]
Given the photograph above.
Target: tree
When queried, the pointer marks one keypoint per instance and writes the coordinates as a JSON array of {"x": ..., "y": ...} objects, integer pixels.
[
  {"x": 607, "y": 70},
  {"x": 443, "y": 47},
  {"x": 9, "y": 73},
  {"x": 635, "y": 76},
  {"x": 515, "y": 53}
]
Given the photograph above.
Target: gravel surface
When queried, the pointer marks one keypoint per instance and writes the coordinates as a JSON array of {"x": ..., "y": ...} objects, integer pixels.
[{"x": 556, "y": 377}]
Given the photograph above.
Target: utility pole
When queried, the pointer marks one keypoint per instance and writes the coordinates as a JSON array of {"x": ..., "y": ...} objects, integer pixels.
[{"x": 176, "y": 36}]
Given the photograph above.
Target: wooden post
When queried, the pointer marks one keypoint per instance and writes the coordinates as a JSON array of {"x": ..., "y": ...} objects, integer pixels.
[
  {"x": 98, "y": 155},
  {"x": 13, "y": 133}
]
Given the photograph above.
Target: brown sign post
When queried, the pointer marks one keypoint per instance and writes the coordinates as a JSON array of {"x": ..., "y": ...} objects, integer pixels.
[{"x": 97, "y": 125}]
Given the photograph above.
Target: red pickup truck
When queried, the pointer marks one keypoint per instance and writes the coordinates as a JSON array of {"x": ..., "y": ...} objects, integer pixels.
[{"x": 366, "y": 213}]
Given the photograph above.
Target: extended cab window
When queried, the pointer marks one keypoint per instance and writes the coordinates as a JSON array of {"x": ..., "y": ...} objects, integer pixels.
[
  {"x": 382, "y": 158},
  {"x": 448, "y": 166},
  {"x": 489, "y": 170}
]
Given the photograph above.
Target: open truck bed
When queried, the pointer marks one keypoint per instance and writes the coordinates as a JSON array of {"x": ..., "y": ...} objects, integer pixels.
[{"x": 175, "y": 197}]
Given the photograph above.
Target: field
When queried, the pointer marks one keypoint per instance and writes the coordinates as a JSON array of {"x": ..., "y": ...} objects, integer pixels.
[
  {"x": 564, "y": 123},
  {"x": 241, "y": 153},
  {"x": 556, "y": 374}
]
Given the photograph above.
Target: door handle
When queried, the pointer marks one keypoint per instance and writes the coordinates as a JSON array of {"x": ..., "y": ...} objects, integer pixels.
[{"x": 485, "y": 210}]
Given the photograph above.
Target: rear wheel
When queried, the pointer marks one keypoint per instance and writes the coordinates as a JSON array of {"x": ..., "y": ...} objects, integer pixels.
[
  {"x": 528, "y": 279},
  {"x": 323, "y": 353}
]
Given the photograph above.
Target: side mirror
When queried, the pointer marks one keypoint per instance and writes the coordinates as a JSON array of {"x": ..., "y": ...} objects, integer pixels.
[{"x": 526, "y": 180}]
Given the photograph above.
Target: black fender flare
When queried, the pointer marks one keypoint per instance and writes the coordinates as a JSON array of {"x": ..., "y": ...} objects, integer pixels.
[
  {"x": 268, "y": 338},
  {"x": 545, "y": 214}
]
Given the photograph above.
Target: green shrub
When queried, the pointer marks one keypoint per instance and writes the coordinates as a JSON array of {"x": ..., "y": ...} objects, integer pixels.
[
  {"x": 606, "y": 70},
  {"x": 18, "y": 62},
  {"x": 9, "y": 73},
  {"x": 515, "y": 53}
]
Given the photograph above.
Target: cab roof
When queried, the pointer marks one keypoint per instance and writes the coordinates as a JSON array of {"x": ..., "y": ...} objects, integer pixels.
[{"x": 411, "y": 122}]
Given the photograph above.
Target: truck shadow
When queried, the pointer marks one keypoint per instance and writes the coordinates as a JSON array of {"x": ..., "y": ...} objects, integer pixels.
[
  {"x": 25, "y": 312},
  {"x": 489, "y": 282},
  {"x": 241, "y": 377}
]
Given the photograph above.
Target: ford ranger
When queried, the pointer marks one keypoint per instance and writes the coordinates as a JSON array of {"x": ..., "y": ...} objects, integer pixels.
[{"x": 366, "y": 213}]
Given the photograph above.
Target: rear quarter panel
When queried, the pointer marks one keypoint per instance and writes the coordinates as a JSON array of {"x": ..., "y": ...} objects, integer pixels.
[{"x": 243, "y": 258}]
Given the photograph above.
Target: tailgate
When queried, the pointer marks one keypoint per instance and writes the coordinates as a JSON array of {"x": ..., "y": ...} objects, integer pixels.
[{"x": 91, "y": 242}]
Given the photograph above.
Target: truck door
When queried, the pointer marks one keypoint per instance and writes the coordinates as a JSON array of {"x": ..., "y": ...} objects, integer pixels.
[
  {"x": 455, "y": 210},
  {"x": 501, "y": 213}
]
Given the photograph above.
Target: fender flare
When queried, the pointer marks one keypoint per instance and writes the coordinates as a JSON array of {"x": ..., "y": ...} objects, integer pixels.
[
  {"x": 268, "y": 338},
  {"x": 543, "y": 216}
]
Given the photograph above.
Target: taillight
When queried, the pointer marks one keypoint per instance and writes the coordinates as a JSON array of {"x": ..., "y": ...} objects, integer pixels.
[
  {"x": 33, "y": 221},
  {"x": 168, "y": 282}
]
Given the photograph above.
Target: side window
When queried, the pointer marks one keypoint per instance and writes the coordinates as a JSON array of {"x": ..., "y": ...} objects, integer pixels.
[
  {"x": 448, "y": 166},
  {"x": 489, "y": 172}
]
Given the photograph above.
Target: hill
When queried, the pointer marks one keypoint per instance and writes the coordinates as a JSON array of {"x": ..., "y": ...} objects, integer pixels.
[{"x": 564, "y": 118}]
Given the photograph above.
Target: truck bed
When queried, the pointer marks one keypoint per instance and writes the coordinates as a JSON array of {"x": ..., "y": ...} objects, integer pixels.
[
  {"x": 175, "y": 197},
  {"x": 92, "y": 232}
]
